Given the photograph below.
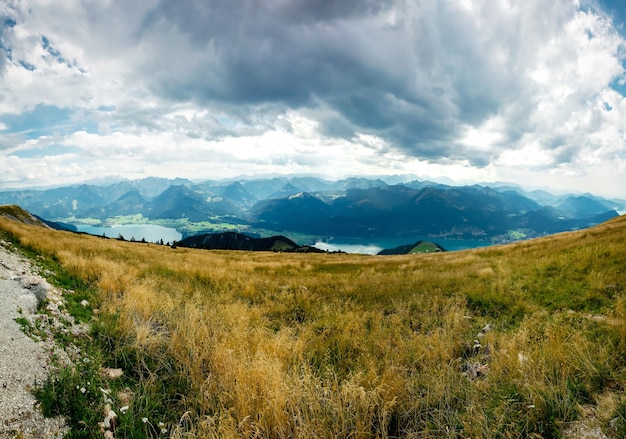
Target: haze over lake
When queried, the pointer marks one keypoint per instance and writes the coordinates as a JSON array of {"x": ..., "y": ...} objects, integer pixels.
[
  {"x": 373, "y": 246},
  {"x": 149, "y": 232}
]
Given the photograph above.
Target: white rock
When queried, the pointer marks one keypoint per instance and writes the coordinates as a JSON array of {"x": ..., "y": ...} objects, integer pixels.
[
  {"x": 110, "y": 421},
  {"x": 38, "y": 285},
  {"x": 53, "y": 308},
  {"x": 111, "y": 373},
  {"x": 522, "y": 359},
  {"x": 28, "y": 303}
]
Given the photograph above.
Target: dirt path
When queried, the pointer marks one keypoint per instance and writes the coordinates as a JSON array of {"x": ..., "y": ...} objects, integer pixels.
[{"x": 23, "y": 361}]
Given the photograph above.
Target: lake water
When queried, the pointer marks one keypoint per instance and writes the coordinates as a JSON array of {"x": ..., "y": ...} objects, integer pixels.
[
  {"x": 373, "y": 246},
  {"x": 149, "y": 232},
  {"x": 154, "y": 233}
]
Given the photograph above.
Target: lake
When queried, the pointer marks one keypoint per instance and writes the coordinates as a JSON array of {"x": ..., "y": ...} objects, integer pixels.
[
  {"x": 373, "y": 246},
  {"x": 149, "y": 232},
  {"x": 154, "y": 233}
]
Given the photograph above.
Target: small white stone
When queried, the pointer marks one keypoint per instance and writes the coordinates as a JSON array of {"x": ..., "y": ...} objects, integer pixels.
[
  {"x": 110, "y": 421},
  {"x": 521, "y": 358}
]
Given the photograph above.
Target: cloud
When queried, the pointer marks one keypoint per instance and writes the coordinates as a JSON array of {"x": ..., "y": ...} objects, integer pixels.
[
  {"x": 483, "y": 85},
  {"x": 417, "y": 74}
]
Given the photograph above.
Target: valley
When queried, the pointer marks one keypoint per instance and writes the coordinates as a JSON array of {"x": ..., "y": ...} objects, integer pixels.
[{"x": 353, "y": 212}]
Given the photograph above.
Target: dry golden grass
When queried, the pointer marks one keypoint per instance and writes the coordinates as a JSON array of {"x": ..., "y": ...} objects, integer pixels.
[{"x": 309, "y": 345}]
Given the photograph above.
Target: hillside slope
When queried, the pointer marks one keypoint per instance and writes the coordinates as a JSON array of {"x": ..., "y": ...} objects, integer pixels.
[
  {"x": 519, "y": 340},
  {"x": 238, "y": 241},
  {"x": 16, "y": 213},
  {"x": 417, "y": 247}
]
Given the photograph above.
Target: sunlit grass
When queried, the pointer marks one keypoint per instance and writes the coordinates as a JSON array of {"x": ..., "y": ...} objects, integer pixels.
[{"x": 241, "y": 344}]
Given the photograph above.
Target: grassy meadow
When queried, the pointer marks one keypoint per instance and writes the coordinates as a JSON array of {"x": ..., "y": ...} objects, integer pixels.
[{"x": 503, "y": 342}]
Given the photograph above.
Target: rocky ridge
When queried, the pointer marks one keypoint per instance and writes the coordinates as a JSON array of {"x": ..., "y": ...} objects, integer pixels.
[{"x": 25, "y": 359}]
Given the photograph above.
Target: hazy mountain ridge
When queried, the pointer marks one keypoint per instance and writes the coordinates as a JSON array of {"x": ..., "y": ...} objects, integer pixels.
[{"x": 357, "y": 207}]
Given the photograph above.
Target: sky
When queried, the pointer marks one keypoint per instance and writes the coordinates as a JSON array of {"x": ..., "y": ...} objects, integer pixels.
[{"x": 529, "y": 92}]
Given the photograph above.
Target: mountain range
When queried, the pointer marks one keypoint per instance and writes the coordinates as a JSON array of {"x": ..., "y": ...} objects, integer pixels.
[{"x": 356, "y": 207}]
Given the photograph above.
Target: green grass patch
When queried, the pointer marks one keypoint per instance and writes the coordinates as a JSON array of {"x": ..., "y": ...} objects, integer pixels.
[
  {"x": 32, "y": 330},
  {"x": 424, "y": 247},
  {"x": 74, "y": 392},
  {"x": 515, "y": 235}
]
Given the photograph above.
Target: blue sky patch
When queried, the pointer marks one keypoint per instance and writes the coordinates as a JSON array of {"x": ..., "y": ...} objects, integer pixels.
[
  {"x": 27, "y": 66},
  {"x": 43, "y": 120},
  {"x": 8, "y": 51},
  {"x": 51, "y": 150},
  {"x": 52, "y": 51},
  {"x": 617, "y": 10},
  {"x": 619, "y": 84},
  {"x": 46, "y": 120}
]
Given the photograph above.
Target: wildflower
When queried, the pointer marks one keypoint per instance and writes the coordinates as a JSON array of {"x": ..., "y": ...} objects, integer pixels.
[
  {"x": 144, "y": 420},
  {"x": 123, "y": 409},
  {"x": 83, "y": 390},
  {"x": 162, "y": 427}
]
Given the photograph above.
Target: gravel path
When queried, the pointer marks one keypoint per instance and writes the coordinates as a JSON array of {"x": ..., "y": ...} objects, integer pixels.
[{"x": 23, "y": 361}]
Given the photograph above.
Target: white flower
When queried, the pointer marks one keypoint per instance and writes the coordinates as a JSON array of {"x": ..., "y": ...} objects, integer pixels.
[
  {"x": 83, "y": 390},
  {"x": 144, "y": 420},
  {"x": 123, "y": 409}
]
